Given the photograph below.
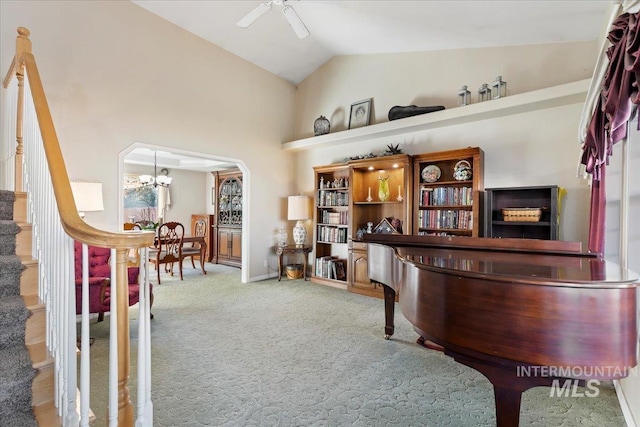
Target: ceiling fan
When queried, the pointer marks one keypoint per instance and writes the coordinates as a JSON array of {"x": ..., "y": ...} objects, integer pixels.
[{"x": 294, "y": 20}]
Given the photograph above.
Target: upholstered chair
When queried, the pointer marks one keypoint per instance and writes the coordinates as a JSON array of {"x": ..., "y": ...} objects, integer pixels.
[{"x": 99, "y": 281}]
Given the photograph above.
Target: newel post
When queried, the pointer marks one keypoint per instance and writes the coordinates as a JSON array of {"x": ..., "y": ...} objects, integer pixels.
[{"x": 23, "y": 45}]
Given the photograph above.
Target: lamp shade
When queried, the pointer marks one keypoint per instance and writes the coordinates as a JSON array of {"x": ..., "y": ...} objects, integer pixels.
[
  {"x": 87, "y": 195},
  {"x": 298, "y": 208}
]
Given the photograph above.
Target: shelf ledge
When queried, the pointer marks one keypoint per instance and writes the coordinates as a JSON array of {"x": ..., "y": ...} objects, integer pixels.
[{"x": 556, "y": 96}]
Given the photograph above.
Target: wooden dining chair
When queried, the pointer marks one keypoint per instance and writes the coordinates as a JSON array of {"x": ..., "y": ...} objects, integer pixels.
[
  {"x": 199, "y": 230},
  {"x": 133, "y": 255},
  {"x": 167, "y": 247}
]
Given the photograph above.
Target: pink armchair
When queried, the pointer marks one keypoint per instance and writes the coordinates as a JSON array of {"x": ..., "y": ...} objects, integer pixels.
[{"x": 99, "y": 274}]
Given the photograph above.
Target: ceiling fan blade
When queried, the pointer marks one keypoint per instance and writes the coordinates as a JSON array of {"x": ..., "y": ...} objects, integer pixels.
[
  {"x": 295, "y": 21},
  {"x": 256, "y": 13}
]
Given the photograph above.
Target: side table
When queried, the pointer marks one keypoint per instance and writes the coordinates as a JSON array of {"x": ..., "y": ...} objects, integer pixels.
[{"x": 292, "y": 249}]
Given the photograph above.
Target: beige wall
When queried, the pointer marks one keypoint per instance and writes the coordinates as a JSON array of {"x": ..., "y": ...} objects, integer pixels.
[
  {"x": 116, "y": 74},
  {"x": 432, "y": 78},
  {"x": 124, "y": 75},
  {"x": 538, "y": 148}
]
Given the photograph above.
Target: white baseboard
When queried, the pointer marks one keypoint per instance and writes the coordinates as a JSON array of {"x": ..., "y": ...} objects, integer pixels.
[{"x": 624, "y": 405}]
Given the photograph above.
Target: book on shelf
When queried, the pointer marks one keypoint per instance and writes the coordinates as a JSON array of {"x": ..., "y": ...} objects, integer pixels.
[
  {"x": 446, "y": 196},
  {"x": 330, "y": 267},
  {"x": 335, "y": 218},
  {"x": 446, "y": 219},
  {"x": 332, "y": 234}
]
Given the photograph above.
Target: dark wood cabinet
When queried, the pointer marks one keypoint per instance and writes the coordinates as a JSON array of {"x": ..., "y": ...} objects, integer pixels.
[
  {"x": 228, "y": 227},
  {"x": 230, "y": 246},
  {"x": 210, "y": 235},
  {"x": 544, "y": 198}
]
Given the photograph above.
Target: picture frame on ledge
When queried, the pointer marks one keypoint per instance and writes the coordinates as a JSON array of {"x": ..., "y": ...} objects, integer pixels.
[{"x": 360, "y": 114}]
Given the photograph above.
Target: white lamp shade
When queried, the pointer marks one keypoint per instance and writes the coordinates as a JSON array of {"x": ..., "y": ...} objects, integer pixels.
[
  {"x": 298, "y": 208},
  {"x": 87, "y": 195},
  {"x": 163, "y": 180},
  {"x": 146, "y": 179}
]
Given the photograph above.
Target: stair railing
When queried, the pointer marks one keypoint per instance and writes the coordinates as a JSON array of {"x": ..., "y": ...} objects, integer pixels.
[{"x": 40, "y": 171}]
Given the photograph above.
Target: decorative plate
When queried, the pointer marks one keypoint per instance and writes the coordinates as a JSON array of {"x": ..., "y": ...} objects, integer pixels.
[{"x": 431, "y": 173}]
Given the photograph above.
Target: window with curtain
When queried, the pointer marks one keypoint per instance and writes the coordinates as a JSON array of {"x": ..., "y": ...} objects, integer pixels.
[{"x": 140, "y": 200}]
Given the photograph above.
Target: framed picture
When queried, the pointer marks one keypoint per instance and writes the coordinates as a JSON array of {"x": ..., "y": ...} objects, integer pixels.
[{"x": 360, "y": 113}]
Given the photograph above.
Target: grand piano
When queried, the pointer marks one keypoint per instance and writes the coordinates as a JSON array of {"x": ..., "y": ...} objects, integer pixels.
[{"x": 522, "y": 312}]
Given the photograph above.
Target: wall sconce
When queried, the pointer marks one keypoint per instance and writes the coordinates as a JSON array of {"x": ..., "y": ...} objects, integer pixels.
[
  {"x": 88, "y": 196},
  {"x": 298, "y": 210}
]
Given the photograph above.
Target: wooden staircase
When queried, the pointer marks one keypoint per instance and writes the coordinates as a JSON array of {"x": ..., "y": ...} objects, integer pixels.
[{"x": 43, "y": 384}]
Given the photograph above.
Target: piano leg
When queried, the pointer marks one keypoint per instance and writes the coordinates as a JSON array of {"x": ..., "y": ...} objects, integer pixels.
[
  {"x": 507, "y": 406},
  {"x": 389, "y": 307},
  {"x": 507, "y": 385}
]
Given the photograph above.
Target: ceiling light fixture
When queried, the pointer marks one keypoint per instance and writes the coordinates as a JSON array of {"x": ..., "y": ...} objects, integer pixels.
[
  {"x": 292, "y": 17},
  {"x": 162, "y": 180}
]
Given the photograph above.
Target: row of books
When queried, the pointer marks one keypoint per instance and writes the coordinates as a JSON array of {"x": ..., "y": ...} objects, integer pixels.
[
  {"x": 332, "y": 234},
  {"x": 337, "y": 218},
  {"x": 446, "y": 196},
  {"x": 330, "y": 267},
  {"x": 446, "y": 219},
  {"x": 333, "y": 198}
]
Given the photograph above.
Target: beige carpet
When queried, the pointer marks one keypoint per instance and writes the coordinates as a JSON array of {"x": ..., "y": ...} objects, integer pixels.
[{"x": 293, "y": 353}]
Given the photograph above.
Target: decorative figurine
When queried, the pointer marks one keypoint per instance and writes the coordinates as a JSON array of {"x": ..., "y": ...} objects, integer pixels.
[
  {"x": 321, "y": 126},
  {"x": 484, "y": 93},
  {"x": 464, "y": 96},
  {"x": 499, "y": 88}
]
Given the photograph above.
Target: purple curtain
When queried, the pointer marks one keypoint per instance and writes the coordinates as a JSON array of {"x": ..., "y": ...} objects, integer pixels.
[{"x": 620, "y": 90}]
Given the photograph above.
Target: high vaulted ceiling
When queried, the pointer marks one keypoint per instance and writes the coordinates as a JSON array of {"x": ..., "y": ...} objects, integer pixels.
[{"x": 369, "y": 27}]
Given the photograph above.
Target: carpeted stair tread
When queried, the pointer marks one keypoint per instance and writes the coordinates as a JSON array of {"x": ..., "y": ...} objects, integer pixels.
[
  {"x": 8, "y": 231},
  {"x": 13, "y": 315},
  {"x": 8, "y": 226},
  {"x": 10, "y": 270},
  {"x": 20, "y": 419},
  {"x": 7, "y": 199},
  {"x": 17, "y": 376}
]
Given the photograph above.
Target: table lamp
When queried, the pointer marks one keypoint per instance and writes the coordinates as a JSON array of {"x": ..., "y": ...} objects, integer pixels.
[
  {"x": 298, "y": 210},
  {"x": 88, "y": 196}
]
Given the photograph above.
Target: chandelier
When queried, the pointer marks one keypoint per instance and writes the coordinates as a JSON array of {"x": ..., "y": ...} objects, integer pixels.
[{"x": 162, "y": 180}]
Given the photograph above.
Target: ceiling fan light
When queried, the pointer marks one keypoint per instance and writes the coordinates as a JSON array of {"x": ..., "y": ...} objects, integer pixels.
[
  {"x": 294, "y": 20},
  {"x": 256, "y": 13}
]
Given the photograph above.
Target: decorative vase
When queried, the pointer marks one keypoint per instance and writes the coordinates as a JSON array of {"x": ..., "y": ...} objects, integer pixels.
[
  {"x": 321, "y": 126},
  {"x": 281, "y": 237},
  {"x": 462, "y": 171},
  {"x": 383, "y": 188}
]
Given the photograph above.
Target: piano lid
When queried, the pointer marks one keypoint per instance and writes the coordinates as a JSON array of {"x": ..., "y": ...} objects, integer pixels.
[{"x": 539, "y": 262}]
